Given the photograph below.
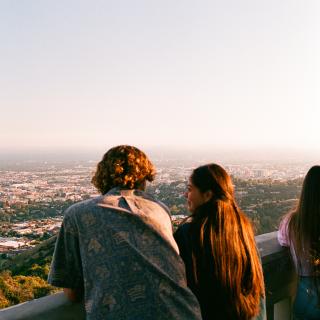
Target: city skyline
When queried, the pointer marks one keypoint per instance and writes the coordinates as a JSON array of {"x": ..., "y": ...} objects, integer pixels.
[{"x": 218, "y": 75}]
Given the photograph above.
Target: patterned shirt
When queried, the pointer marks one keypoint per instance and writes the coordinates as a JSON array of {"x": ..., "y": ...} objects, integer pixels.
[{"x": 120, "y": 249}]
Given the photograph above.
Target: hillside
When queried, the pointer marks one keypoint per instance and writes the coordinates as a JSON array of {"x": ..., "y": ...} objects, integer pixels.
[{"x": 23, "y": 276}]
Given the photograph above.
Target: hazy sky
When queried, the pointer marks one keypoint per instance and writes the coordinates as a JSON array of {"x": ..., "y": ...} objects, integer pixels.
[{"x": 79, "y": 74}]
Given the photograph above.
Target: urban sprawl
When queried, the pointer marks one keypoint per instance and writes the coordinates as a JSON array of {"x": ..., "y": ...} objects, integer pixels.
[{"x": 34, "y": 196}]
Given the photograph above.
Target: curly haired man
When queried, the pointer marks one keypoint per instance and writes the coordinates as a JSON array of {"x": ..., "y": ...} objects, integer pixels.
[{"x": 117, "y": 251}]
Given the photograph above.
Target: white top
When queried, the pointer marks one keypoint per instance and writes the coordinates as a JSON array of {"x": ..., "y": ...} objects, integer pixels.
[{"x": 283, "y": 238}]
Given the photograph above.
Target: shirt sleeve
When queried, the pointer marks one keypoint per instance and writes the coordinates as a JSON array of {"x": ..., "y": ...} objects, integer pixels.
[
  {"x": 66, "y": 267},
  {"x": 283, "y": 236},
  {"x": 178, "y": 237},
  {"x": 181, "y": 238}
]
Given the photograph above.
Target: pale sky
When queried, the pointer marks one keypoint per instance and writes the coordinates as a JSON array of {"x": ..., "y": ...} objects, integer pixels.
[{"x": 86, "y": 74}]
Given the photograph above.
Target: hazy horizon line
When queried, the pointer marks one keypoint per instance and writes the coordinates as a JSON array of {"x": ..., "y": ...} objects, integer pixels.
[{"x": 233, "y": 154}]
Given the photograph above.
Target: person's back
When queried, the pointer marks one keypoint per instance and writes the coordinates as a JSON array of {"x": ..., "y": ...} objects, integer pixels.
[
  {"x": 119, "y": 249},
  {"x": 213, "y": 298}
]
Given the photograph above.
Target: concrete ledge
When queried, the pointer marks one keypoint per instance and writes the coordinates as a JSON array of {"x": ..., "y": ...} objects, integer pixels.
[
  {"x": 279, "y": 276},
  {"x": 54, "y": 307}
]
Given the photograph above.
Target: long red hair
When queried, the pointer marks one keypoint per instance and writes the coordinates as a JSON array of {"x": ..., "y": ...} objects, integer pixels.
[{"x": 224, "y": 245}]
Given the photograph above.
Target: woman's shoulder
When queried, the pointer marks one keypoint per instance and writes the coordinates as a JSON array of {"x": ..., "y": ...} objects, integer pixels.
[
  {"x": 283, "y": 232},
  {"x": 181, "y": 234},
  {"x": 184, "y": 227}
]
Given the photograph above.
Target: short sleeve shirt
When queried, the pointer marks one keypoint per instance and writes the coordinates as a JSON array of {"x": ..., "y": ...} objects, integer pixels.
[
  {"x": 284, "y": 240},
  {"x": 120, "y": 249}
]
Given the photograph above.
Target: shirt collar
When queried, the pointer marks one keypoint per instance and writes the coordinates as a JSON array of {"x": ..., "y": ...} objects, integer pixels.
[{"x": 117, "y": 191}]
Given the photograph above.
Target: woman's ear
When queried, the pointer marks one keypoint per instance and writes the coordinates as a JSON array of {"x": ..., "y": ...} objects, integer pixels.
[{"x": 207, "y": 195}]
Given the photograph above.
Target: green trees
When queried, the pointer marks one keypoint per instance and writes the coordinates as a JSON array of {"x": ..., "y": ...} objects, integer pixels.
[
  {"x": 23, "y": 277},
  {"x": 19, "y": 288}
]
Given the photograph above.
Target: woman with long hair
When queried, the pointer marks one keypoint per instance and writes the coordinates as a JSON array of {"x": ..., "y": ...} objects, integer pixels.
[
  {"x": 218, "y": 247},
  {"x": 300, "y": 230}
]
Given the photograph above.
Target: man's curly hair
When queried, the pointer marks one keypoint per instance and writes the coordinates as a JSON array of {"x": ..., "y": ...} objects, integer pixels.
[{"x": 125, "y": 167}]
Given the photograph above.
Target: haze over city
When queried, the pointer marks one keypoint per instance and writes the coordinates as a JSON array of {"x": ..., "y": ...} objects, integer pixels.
[
  {"x": 231, "y": 76},
  {"x": 189, "y": 82}
]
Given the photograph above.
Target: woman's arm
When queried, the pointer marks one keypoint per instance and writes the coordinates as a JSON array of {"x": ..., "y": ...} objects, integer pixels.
[{"x": 283, "y": 235}]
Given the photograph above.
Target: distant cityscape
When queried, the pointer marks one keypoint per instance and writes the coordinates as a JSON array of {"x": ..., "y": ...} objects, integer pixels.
[{"x": 33, "y": 196}]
